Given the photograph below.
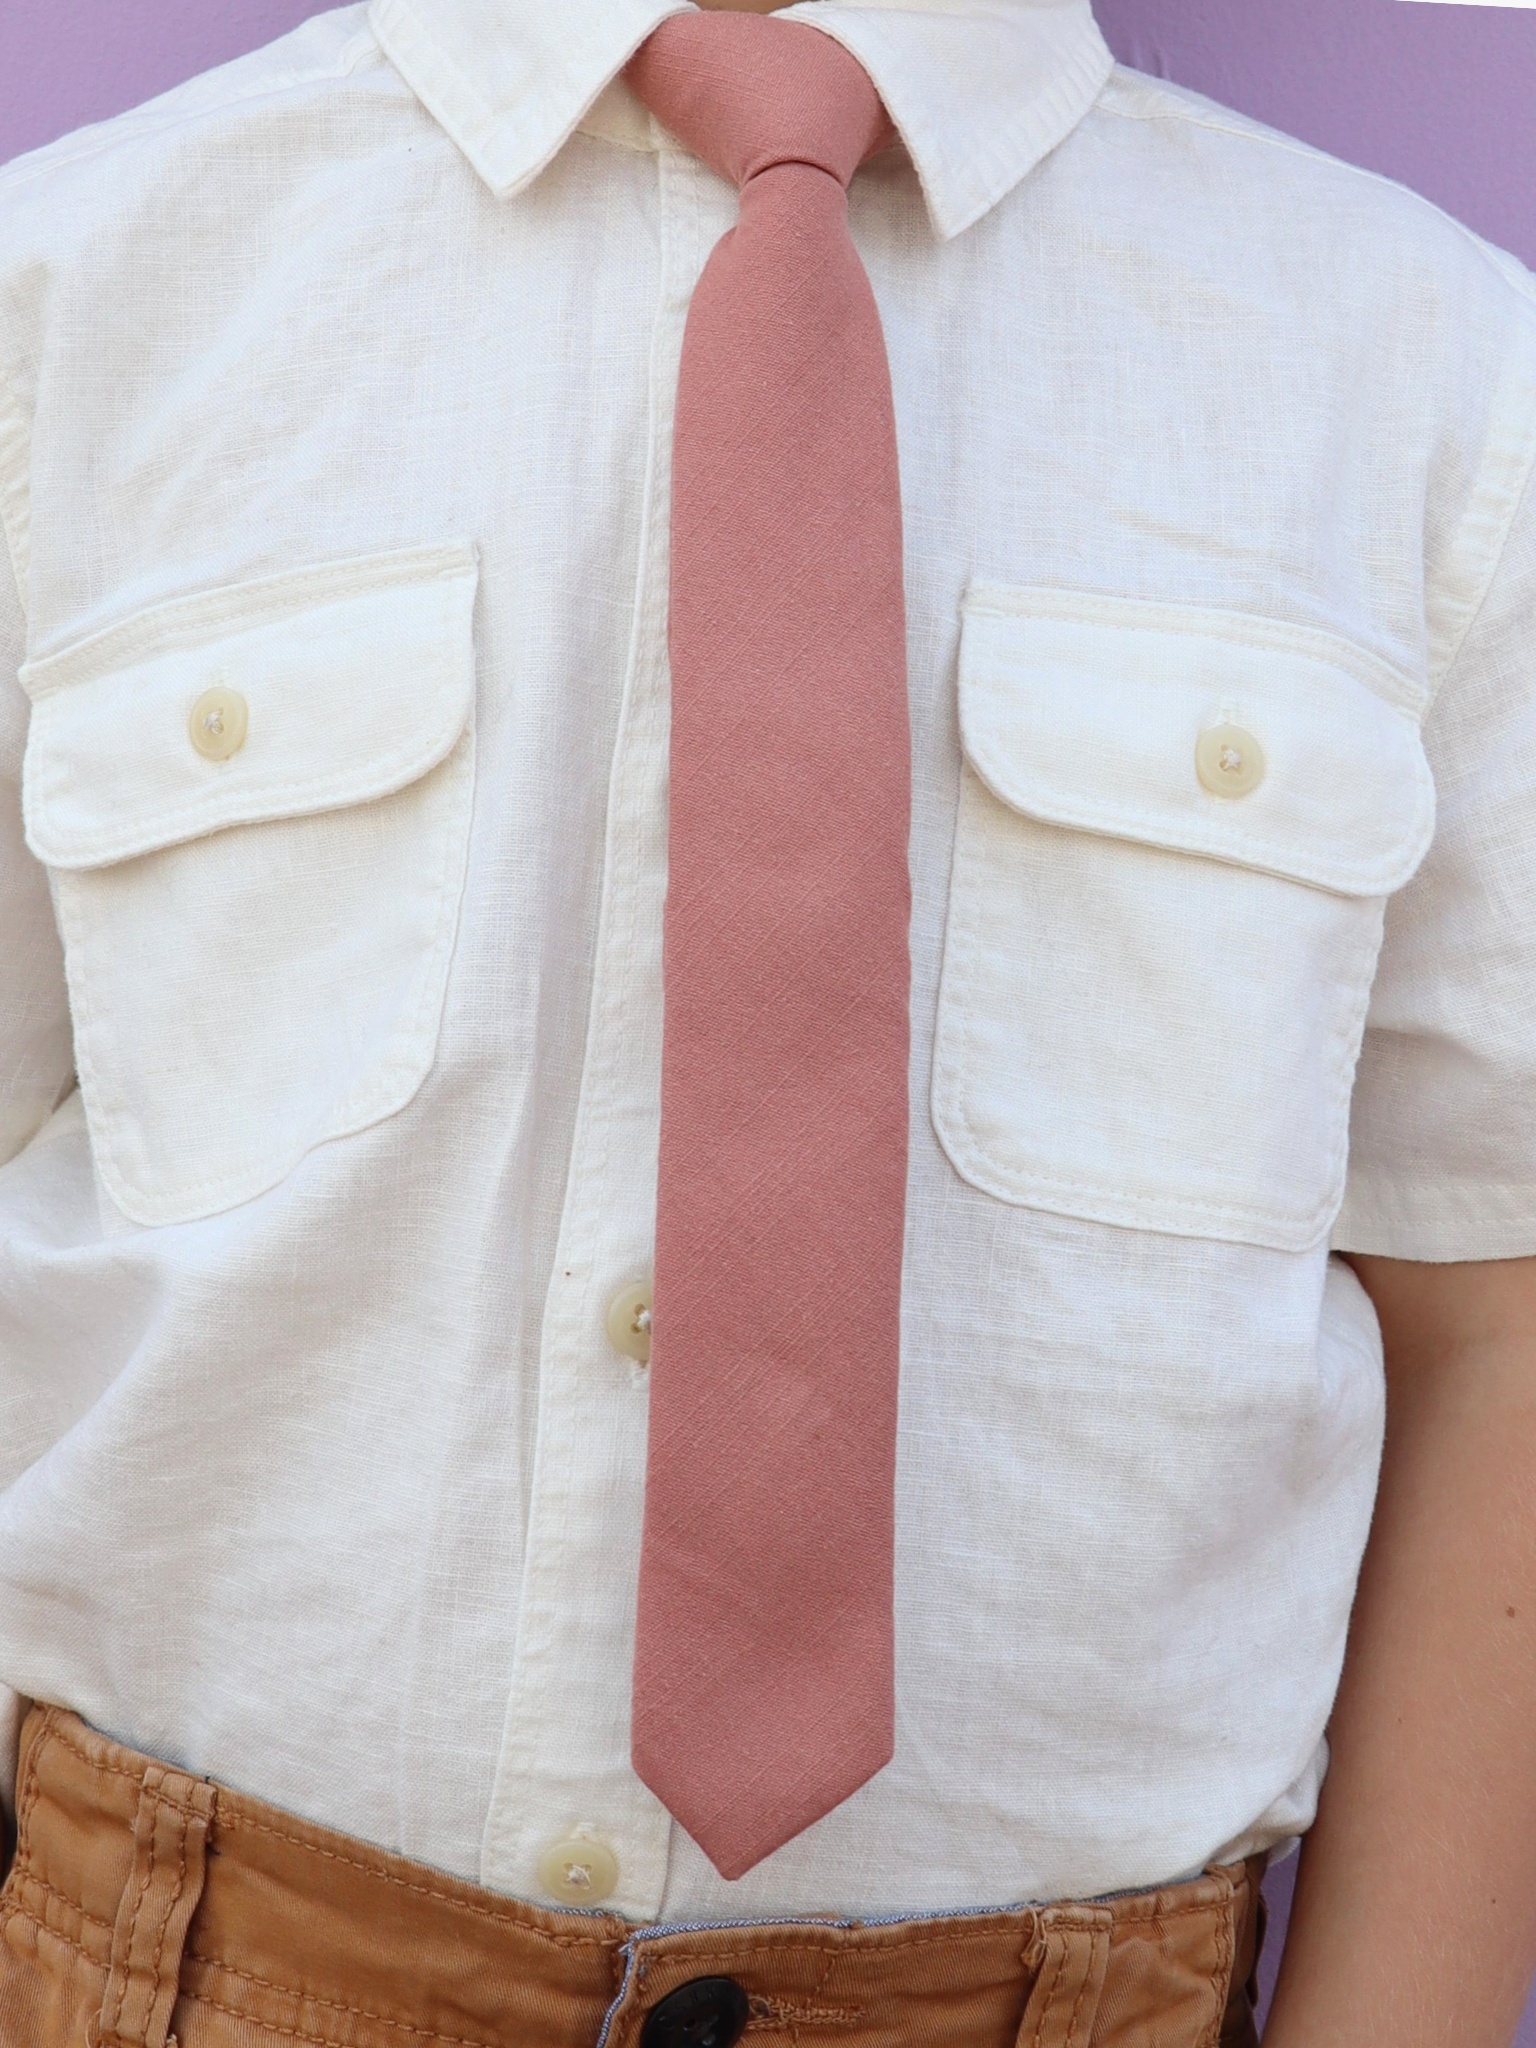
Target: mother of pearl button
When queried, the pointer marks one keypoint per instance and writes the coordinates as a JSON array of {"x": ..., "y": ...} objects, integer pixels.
[
  {"x": 216, "y": 723},
  {"x": 629, "y": 1322},
  {"x": 579, "y": 1870},
  {"x": 1228, "y": 760}
]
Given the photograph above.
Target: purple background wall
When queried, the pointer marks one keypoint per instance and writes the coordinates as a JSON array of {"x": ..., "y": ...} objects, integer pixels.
[{"x": 1441, "y": 97}]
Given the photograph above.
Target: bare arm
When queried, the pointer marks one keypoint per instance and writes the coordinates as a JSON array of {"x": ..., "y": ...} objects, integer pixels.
[{"x": 1414, "y": 1924}]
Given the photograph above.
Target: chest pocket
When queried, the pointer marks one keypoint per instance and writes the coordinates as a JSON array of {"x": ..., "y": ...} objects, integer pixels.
[
  {"x": 255, "y": 804},
  {"x": 1176, "y": 834}
]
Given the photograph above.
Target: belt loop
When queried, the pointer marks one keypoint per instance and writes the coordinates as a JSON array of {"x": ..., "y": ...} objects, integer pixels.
[
  {"x": 1248, "y": 1918},
  {"x": 170, "y": 1837},
  {"x": 1069, "y": 1956}
]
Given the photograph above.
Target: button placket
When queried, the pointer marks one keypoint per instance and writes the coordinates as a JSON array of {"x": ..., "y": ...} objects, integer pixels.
[
  {"x": 579, "y": 1870},
  {"x": 629, "y": 1322},
  {"x": 565, "y": 1745}
]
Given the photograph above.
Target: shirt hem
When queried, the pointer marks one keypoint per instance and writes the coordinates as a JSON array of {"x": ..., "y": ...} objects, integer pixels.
[{"x": 1437, "y": 1225}]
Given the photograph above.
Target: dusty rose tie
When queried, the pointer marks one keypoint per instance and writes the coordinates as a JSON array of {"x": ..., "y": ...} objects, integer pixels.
[{"x": 764, "y": 1660}]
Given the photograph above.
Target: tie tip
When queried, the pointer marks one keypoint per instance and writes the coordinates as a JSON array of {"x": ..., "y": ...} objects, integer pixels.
[{"x": 744, "y": 1818}]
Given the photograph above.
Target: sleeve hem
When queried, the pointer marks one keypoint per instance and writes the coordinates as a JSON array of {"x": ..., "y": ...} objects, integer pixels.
[{"x": 1440, "y": 1225}]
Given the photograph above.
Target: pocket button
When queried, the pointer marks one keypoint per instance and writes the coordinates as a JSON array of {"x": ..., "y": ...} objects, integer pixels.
[
  {"x": 1229, "y": 761},
  {"x": 216, "y": 723}
]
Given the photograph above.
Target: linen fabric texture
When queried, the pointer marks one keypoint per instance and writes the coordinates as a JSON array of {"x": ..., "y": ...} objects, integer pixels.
[
  {"x": 320, "y": 1475},
  {"x": 764, "y": 1690},
  {"x": 146, "y": 1907}
]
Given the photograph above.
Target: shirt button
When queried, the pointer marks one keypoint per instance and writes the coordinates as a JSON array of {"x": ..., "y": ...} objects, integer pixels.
[
  {"x": 1229, "y": 761},
  {"x": 216, "y": 723},
  {"x": 629, "y": 1322},
  {"x": 578, "y": 1870},
  {"x": 708, "y": 2012}
]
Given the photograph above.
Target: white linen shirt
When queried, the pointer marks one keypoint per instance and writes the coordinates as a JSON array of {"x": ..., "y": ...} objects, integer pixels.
[{"x": 339, "y": 382}]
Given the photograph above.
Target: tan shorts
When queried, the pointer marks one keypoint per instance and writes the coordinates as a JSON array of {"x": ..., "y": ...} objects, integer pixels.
[{"x": 146, "y": 1907}]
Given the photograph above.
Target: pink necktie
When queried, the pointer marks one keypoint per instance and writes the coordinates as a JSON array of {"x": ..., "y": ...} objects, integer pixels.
[{"x": 764, "y": 1691}]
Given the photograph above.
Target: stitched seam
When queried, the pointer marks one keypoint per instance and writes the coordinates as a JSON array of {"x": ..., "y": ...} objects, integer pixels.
[
  {"x": 778, "y": 2012},
  {"x": 1496, "y": 562},
  {"x": 434, "y": 78},
  {"x": 1031, "y": 1177},
  {"x": 183, "y": 1802},
  {"x": 19, "y": 1912},
  {"x": 592, "y": 1137},
  {"x": 121, "y": 1991},
  {"x": 1082, "y": 1993},
  {"x": 1253, "y": 851},
  {"x": 1221, "y": 1974},
  {"x": 953, "y": 1088},
  {"x": 952, "y": 1093},
  {"x": 1150, "y": 1917},
  {"x": 1179, "y": 1913},
  {"x": 282, "y": 2033},
  {"x": 987, "y": 599},
  {"x": 260, "y": 795},
  {"x": 1050, "y": 1996},
  {"x": 422, "y": 1007},
  {"x": 786, "y": 1943},
  {"x": 29, "y": 1797},
  {"x": 357, "y": 2012},
  {"x": 816, "y": 1991},
  {"x": 1479, "y": 1190},
  {"x": 56, "y": 1732},
  {"x": 53, "y": 1731},
  {"x": 165, "y": 1917},
  {"x": 367, "y": 1106},
  {"x": 257, "y": 794},
  {"x": 1210, "y": 834},
  {"x": 507, "y": 1919},
  {"x": 15, "y": 493},
  {"x": 215, "y": 813},
  {"x": 41, "y": 1884},
  {"x": 456, "y": 104},
  {"x": 231, "y": 1822},
  {"x": 179, "y": 622}
]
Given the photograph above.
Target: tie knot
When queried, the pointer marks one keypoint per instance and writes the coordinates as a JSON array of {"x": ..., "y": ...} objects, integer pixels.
[{"x": 746, "y": 92}]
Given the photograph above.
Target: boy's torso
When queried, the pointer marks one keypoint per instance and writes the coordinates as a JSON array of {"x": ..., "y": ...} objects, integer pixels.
[{"x": 367, "y": 1015}]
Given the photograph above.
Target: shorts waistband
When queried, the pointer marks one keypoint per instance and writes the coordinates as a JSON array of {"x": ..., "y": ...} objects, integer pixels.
[{"x": 146, "y": 1905}]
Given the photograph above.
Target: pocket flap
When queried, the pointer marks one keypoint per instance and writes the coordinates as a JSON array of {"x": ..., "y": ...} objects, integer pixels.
[
  {"x": 1088, "y": 712},
  {"x": 356, "y": 678}
]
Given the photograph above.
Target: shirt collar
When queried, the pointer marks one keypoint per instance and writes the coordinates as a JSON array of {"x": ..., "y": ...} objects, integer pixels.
[{"x": 979, "y": 90}]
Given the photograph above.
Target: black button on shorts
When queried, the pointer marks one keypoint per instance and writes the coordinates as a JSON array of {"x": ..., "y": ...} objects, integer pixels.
[{"x": 711, "y": 2012}]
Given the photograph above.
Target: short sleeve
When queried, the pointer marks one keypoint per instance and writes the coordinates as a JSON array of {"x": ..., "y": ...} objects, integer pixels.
[
  {"x": 1443, "y": 1131},
  {"x": 36, "y": 1048}
]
